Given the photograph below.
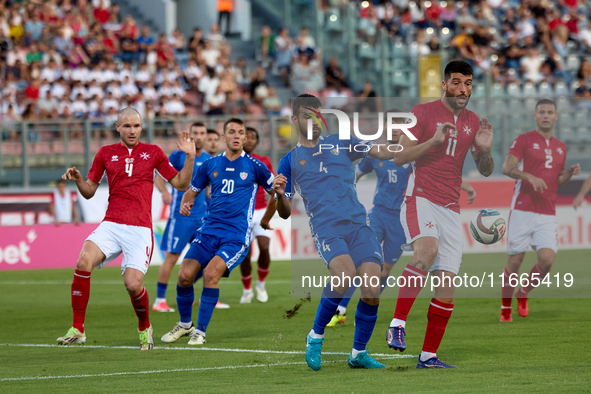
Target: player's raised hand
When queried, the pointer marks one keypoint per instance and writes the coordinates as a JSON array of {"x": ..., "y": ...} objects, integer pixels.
[
  {"x": 186, "y": 208},
  {"x": 279, "y": 184},
  {"x": 575, "y": 169},
  {"x": 186, "y": 144},
  {"x": 441, "y": 132},
  {"x": 72, "y": 174},
  {"x": 484, "y": 135},
  {"x": 537, "y": 183}
]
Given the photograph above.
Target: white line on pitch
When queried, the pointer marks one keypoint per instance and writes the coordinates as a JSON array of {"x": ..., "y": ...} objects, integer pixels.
[
  {"x": 394, "y": 355},
  {"x": 146, "y": 372}
]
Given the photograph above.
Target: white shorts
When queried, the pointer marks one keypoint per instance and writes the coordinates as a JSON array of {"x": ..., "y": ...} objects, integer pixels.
[
  {"x": 136, "y": 243},
  {"x": 422, "y": 218},
  {"x": 531, "y": 229},
  {"x": 257, "y": 230}
]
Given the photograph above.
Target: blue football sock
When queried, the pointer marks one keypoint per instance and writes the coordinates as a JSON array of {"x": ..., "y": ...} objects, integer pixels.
[
  {"x": 161, "y": 290},
  {"x": 185, "y": 296},
  {"x": 347, "y": 296},
  {"x": 326, "y": 309},
  {"x": 365, "y": 321},
  {"x": 209, "y": 297},
  {"x": 198, "y": 276}
]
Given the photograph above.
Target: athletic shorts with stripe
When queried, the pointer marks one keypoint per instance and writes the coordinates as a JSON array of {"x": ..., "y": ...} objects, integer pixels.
[
  {"x": 135, "y": 242},
  {"x": 422, "y": 218},
  {"x": 257, "y": 230},
  {"x": 230, "y": 246},
  {"x": 178, "y": 233},
  {"x": 531, "y": 229}
]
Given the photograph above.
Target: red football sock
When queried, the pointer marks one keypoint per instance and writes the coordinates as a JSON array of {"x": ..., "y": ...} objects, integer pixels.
[
  {"x": 80, "y": 295},
  {"x": 437, "y": 318},
  {"x": 246, "y": 281},
  {"x": 523, "y": 291},
  {"x": 409, "y": 292},
  {"x": 141, "y": 305},
  {"x": 263, "y": 272},
  {"x": 507, "y": 291}
]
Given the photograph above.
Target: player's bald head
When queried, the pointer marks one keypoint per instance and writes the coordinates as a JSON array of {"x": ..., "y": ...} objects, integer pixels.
[{"x": 128, "y": 111}]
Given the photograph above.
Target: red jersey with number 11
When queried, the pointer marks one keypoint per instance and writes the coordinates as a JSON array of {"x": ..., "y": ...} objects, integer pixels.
[
  {"x": 130, "y": 173},
  {"x": 437, "y": 175},
  {"x": 544, "y": 159}
]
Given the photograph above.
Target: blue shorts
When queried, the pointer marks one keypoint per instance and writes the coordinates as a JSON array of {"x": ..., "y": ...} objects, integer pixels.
[
  {"x": 356, "y": 240},
  {"x": 228, "y": 245},
  {"x": 389, "y": 232},
  {"x": 178, "y": 233}
]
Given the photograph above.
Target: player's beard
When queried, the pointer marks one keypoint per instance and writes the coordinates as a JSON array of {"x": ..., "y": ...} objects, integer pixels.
[{"x": 453, "y": 101}]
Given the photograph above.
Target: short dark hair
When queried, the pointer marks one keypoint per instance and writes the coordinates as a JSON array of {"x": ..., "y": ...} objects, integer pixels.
[
  {"x": 197, "y": 124},
  {"x": 60, "y": 180},
  {"x": 253, "y": 130},
  {"x": 305, "y": 100},
  {"x": 457, "y": 66},
  {"x": 233, "y": 120},
  {"x": 212, "y": 131},
  {"x": 545, "y": 101}
]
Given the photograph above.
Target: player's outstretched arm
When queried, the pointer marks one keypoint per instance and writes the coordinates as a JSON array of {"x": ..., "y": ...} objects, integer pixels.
[
  {"x": 565, "y": 176},
  {"x": 87, "y": 188},
  {"x": 470, "y": 190},
  {"x": 182, "y": 180},
  {"x": 482, "y": 157},
  {"x": 511, "y": 170},
  {"x": 187, "y": 202},
  {"x": 585, "y": 189},
  {"x": 269, "y": 212},
  {"x": 283, "y": 203},
  {"x": 412, "y": 150},
  {"x": 161, "y": 186}
]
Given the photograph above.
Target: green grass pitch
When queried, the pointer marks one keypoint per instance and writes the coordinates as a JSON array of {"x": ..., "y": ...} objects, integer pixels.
[{"x": 547, "y": 351}]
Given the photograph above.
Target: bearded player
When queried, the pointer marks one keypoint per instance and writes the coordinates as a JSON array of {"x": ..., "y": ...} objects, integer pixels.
[
  {"x": 537, "y": 161},
  {"x": 127, "y": 227},
  {"x": 430, "y": 213}
]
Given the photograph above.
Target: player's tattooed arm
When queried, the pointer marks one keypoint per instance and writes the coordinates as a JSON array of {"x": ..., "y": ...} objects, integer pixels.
[
  {"x": 511, "y": 169},
  {"x": 484, "y": 162},
  {"x": 283, "y": 203}
]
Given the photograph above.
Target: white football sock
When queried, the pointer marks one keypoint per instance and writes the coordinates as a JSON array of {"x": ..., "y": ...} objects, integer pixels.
[
  {"x": 426, "y": 355},
  {"x": 341, "y": 310},
  {"x": 186, "y": 326},
  {"x": 314, "y": 335},
  {"x": 355, "y": 352},
  {"x": 397, "y": 322},
  {"x": 159, "y": 300}
]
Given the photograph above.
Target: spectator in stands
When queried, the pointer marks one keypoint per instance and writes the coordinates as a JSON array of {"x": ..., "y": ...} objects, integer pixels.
[
  {"x": 62, "y": 206},
  {"x": 449, "y": 15},
  {"x": 284, "y": 49},
  {"x": 129, "y": 48},
  {"x": 307, "y": 40},
  {"x": 48, "y": 106},
  {"x": 214, "y": 37},
  {"x": 367, "y": 98},
  {"x": 196, "y": 43},
  {"x": 216, "y": 101},
  {"x": 257, "y": 78},
  {"x": 35, "y": 27},
  {"x": 210, "y": 55},
  {"x": 334, "y": 75},
  {"x": 500, "y": 72},
  {"x": 530, "y": 66},
  {"x": 101, "y": 13},
  {"x": 271, "y": 103},
  {"x": 267, "y": 46},
  {"x": 225, "y": 8},
  {"x": 144, "y": 41}
]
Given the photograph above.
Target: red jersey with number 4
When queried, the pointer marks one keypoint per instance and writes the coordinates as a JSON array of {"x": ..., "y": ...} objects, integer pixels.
[
  {"x": 130, "y": 173},
  {"x": 261, "y": 201},
  {"x": 544, "y": 159},
  {"x": 437, "y": 175}
]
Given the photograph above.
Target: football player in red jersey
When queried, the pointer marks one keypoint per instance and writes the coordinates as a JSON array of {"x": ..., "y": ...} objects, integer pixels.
[
  {"x": 430, "y": 214},
  {"x": 260, "y": 230},
  {"x": 127, "y": 227},
  {"x": 537, "y": 161}
]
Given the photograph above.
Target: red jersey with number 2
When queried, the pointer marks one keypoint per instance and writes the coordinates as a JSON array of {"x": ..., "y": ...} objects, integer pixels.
[
  {"x": 130, "y": 173},
  {"x": 261, "y": 201},
  {"x": 544, "y": 159},
  {"x": 437, "y": 175}
]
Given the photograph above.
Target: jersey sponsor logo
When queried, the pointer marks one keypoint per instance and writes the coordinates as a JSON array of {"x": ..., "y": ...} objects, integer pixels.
[
  {"x": 129, "y": 160},
  {"x": 453, "y": 133},
  {"x": 303, "y": 162},
  {"x": 215, "y": 174},
  {"x": 536, "y": 146},
  {"x": 114, "y": 158},
  {"x": 229, "y": 169},
  {"x": 145, "y": 156},
  {"x": 243, "y": 175},
  {"x": 467, "y": 130},
  {"x": 548, "y": 151}
]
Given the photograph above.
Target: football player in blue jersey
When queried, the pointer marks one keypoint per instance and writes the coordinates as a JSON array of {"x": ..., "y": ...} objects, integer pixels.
[
  {"x": 384, "y": 217},
  {"x": 180, "y": 230},
  {"x": 325, "y": 178},
  {"x": 222, "y": 242}
]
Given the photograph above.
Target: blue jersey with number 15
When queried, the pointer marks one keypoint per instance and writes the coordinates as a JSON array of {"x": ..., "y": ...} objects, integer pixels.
[
  {"x": 233, "y": 188},
  {"x": 392, "y": 181}
]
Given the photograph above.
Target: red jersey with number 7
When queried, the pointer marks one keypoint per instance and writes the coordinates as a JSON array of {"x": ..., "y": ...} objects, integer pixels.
[
  {"x": 130, "y": 174},
  {"x": 437, "y": 175},
  {"x": 261, "y": 201},
  {"x": 544, "y": 159}
]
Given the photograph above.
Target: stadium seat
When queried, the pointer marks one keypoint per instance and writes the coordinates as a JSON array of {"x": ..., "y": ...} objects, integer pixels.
[
  {"x": 498, "y": 105},
  {"x": 497, "y": 90},
  {"x": 529, "y": 90},
  {"x": 545, "y": 90},
  {"x": 398, "y": 49},
  {"x": 366, "y": 51},
  {"x": 75, "y": 147},
  {"x": 479, "y": 91},
  {"x": 572, "y": 63},
  {"x": 567, "y": 135},
  {"x": 561, "y": 89},
  {"x": 565, "y": 104},
  {"x": 513, "y": 90}
]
